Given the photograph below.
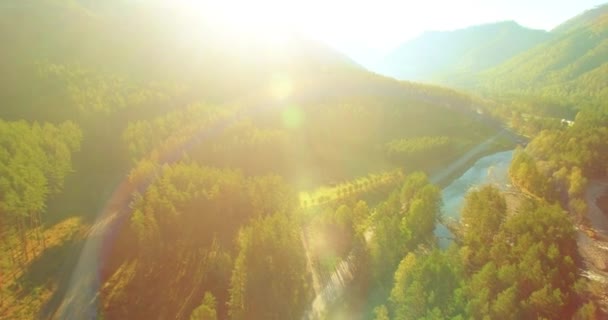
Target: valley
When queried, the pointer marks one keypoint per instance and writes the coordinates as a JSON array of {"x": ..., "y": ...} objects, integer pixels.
[{"x": 181, "y": 160}]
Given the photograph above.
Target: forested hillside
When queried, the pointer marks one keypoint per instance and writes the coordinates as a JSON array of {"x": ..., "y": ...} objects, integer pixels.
[
  {"x": 455, "y": 57},
  {"x": 556, "y": 72},
  {"x": 183, "y": 145},
  {"x": 160, "y": 162},
  {"x": 517, "y": 254},
  {"x": 563, "y": 165}
]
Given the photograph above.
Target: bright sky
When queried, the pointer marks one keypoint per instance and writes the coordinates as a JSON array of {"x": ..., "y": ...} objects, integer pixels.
[{"x": 364, "y": 29}]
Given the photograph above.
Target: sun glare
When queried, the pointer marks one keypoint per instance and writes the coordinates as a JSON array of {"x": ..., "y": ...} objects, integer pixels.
[
  {"x": 267, "y": 19},
  {"x": 280, "y": 87}
]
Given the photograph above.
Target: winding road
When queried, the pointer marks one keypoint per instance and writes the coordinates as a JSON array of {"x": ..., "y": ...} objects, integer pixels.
[{"x": 82, "y": 296}]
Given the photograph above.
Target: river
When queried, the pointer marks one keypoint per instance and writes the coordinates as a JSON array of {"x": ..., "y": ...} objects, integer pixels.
[
  {"x": 492, "y": 169},
  {"x": 489, "y": 169}
]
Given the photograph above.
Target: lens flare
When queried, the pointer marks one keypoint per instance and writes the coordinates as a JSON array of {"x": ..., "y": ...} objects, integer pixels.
[
  {"x": 280, "y": 87},
  {"x": 292, "y": 117}
]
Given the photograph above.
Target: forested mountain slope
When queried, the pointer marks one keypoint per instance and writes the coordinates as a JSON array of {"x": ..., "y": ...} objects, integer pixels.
[
  {"x": 582, "y": 20},
  {"x": 212, "y": 130},
  {"x": 571, "y": 68},
  {"x": 453, "y": 56}
]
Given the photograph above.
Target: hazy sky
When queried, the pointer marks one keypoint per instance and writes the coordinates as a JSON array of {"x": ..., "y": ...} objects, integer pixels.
[
  {"x": 365, "y": 29},
  {"x": 377, "y": 26}
]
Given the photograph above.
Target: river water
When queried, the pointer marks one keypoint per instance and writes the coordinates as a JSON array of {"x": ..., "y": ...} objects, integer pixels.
[{"x": 492, "y": 169}]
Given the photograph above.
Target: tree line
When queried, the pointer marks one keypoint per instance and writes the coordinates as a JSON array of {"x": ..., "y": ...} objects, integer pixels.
[{"x": 35, "y": 159}]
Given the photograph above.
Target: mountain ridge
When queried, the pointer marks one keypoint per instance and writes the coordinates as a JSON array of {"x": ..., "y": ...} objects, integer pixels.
[
  {"x": 581, "y": 20},
  {"x": 571, "y": 67}
]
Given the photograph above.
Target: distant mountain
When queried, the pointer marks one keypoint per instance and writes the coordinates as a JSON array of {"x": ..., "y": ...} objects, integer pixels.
[
  {"x": 571, "y": 67},
  {"x": 447, "y": 57}
]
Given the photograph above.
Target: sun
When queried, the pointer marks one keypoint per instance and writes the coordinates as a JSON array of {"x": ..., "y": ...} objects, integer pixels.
[
  {"x": 266, "y": 19},
  {"x": 338, "y": 23}
]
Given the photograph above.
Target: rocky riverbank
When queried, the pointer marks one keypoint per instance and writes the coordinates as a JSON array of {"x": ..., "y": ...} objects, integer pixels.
[{"x": 593, "y": 242}]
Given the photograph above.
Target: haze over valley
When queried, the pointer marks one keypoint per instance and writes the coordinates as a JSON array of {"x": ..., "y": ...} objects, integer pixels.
[{"x": 303, "y": 160}]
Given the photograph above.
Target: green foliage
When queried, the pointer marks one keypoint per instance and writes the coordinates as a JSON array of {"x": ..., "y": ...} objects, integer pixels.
[
  {"x": 402, "y": 223},
  {"x": 34, "y": 161},
  {"x": 372, "y": 185},
  {"x": 206, "y": 101},
  {"x": 414, "y": 182},
  {"x": 482, "y": 216},
  {"x": 270, "y": 266},
  {"x": 426, "y": 287},
  {"x": 270, "y": 194},
  {"x": 333, "y": 236},
  {"x": 506, "y": 267},
  {"x": 578, "y": 207},
  {"x": 206, "y": 311},
  {"x": 158, "y": 136},
  {"x": 361, "y": 213},
  {"x": 570, "y": 67},
  {"x": 258, "y": 140},
  {"x": 183, "y": 229},
  {"x": 578, "y": 183},
  {"x": 557, "y": 163},
  {"x": 420, "y": 151},
  {"x": 540, "y": 263},
  {"x": 419, "y": 221},
  {"x": 172, "y": 204},
  {"x": 92, "y": 92},
  {"x": 381, "y": 313},
  {"x": 583, "y": 146},
  {"x": 525, "y": 173},
  {"x": 386, "y": 247}
]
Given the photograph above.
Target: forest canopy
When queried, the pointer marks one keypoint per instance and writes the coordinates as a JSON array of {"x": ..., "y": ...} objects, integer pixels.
[{"x": 155, "y": 165}]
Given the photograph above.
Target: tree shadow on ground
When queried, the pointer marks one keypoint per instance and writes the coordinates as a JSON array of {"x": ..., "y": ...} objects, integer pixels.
[{"x": 54, "y": 265}]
